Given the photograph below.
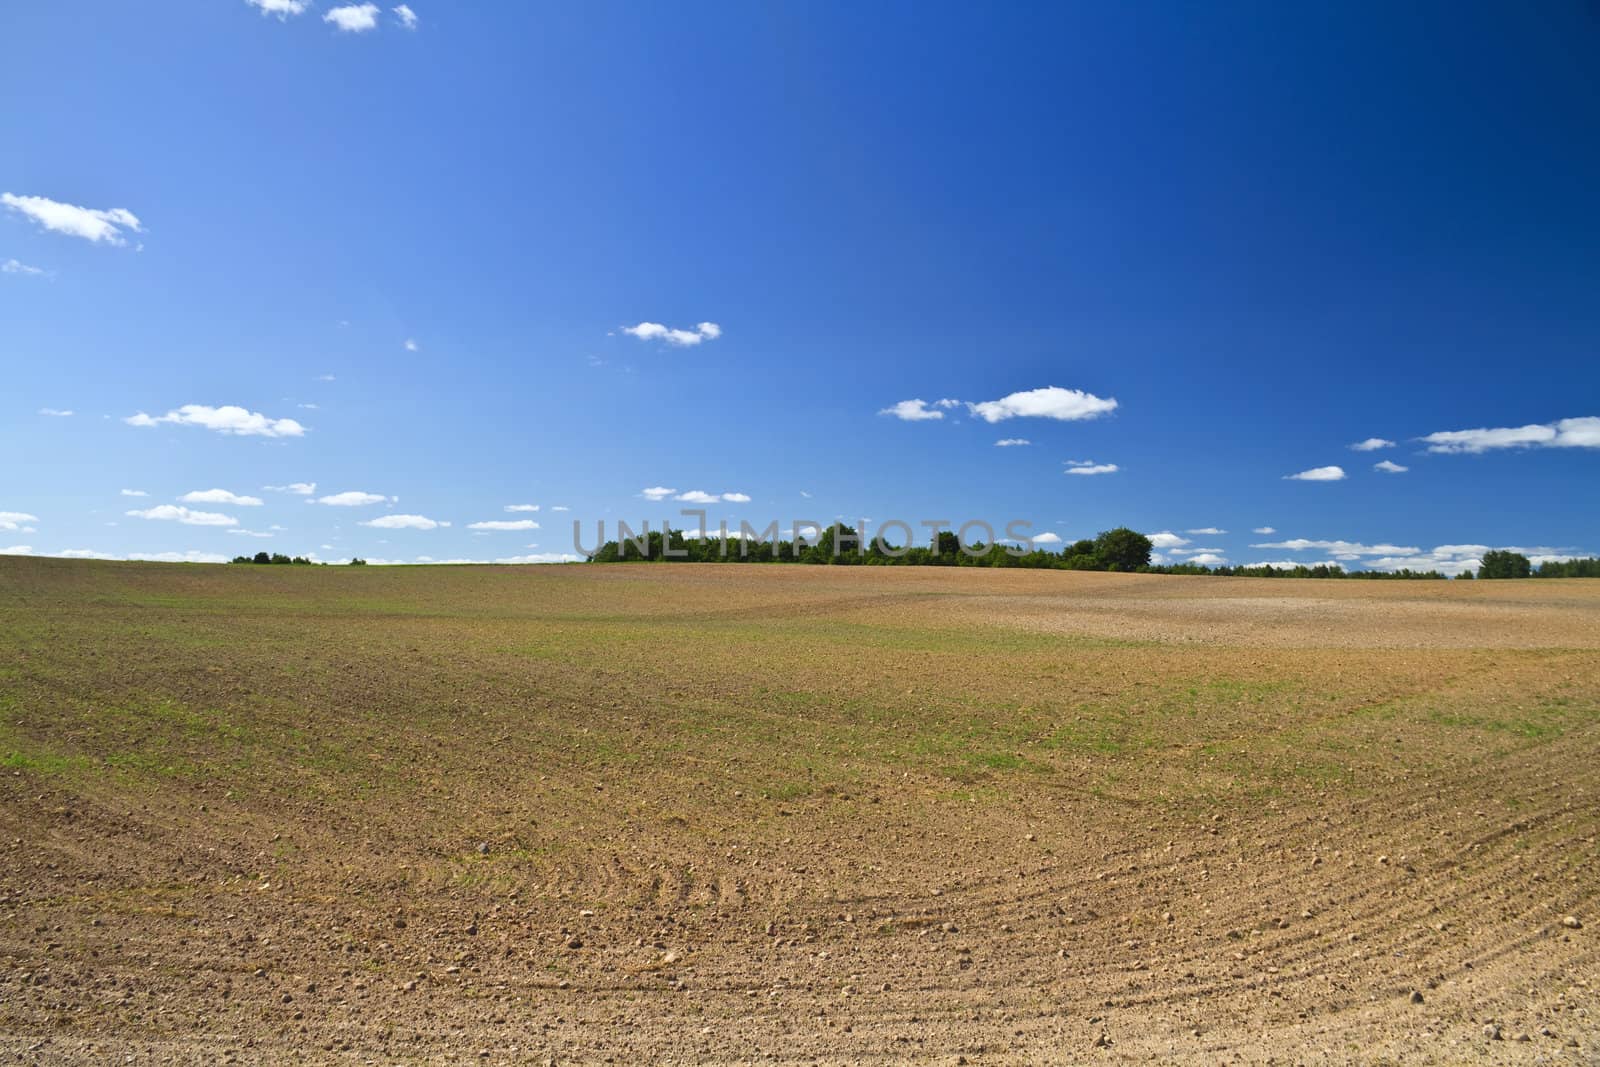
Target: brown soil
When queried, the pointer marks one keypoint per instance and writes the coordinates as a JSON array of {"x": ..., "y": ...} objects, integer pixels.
[{"x": 769, "y": 814}]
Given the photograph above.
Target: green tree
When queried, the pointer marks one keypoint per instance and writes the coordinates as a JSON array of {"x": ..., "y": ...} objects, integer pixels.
[
  {"x": 1122, "y": 549},
  {"x": 1502, "y": 563}
]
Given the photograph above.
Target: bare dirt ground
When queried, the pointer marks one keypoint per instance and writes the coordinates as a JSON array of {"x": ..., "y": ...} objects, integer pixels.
[{"x": 793, "y": 814}]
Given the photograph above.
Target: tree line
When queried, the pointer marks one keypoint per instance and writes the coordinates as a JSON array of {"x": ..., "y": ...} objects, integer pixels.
[{"x": 292, "y": 561}]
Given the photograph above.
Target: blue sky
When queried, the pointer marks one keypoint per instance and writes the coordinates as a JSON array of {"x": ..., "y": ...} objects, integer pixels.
[{"x": 1267, "y": 232}]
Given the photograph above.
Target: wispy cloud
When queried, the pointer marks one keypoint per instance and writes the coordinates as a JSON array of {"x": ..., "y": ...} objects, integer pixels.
[
  {"x": 411, "y": 345},
  {"x": 1085, "y": 466},
  {"x": 912, "y": 411},
  {"x": 17, "y": 550},
  {"x": 1210, "y": 531},
  {"x": 1342, "y": 550},
  {"x": 1318, "y": 474},
  {"x": 297, "y": 488},
  {"x": 1371, "y": 444},
  {"x": 16, "y": 266},
  {"x": 522, "y": 507},
  {"x": 1389, "y": 467},
  {"x": 504, "y": 524},
  {"x": 281, "y": 8},
  {"x": 134, "y": 492},
  {"x": 560, "y": 507},
  {"x": 656, "y": 492},
  {"x": 175, "y": 513},
  {"x": 697, "y": 496},
  {"x": 220, "y": 496},
  {"x": 404, "y": 522},
  {"x": 228, "y": 419},
  {"x": 353, "y": 18},
  {"x": 57, "y": 413},
  {"x": 406, "y": 16},
  {"x": 1265, "y": 530},
  {"x": 16, "y": 520},
  {"x": 655, "y": 331},
  {"x": 1564, "y": 433},
  {"x": 352, "y": 498},
  {"x": 1012, "y": 442},
  {"x": 1051, "y": 402},
  {"x": 91, "y": 224}
]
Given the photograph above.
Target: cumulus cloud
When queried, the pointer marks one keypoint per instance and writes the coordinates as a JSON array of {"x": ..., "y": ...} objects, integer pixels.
[
  {"x": 281, "y": 8},
  {"x": 736, "y": 498},
  {"x": 1564, "y": 433},
  {"x": 1051, "y": 402},
  {"x": 1046, "y": 538},
  {"x": 297, "y": 488},
  {"x": 1318, "y": 474},
  {"x": 228, "y": 419},
  {"x": 1371, "y": 444},
  {"x": 15, "y": 520},
  {"x": 175, "y": 513},
  {"x": 220, "y": 496},
  {"x": 91, "y": 224},
  {"x": 134, "y": 492},
  {"x": 1208, "y": 559},
  {"x": 406, "y": 16},
  {"x": 698, "y": 496},
  {"x": 1265, "y": 530},
  {"x": 57, "y": 413},
  {"x": 1389, "y": 467},
  {"x": 17, "y": 550},
  {"x": 1084, "y": 466},
  {"x": 1343, "y": 550},
  {"x": 655, "y": 331},
  {"x": 352, "y": 498},
  {"x": 1166, "y": 539},
  {"x": 656, "y": 492},
  {"x": 1012, "y": 442},
  {"x": 1207, "y": 530},
  {"x": 522, "y": 507},
  {"x": 191, "y": 556},
  {"x": 912, "y": 411},
  {"x": 504, "y": 524},
  {"x": 16, "y": 266},
  {"x": 404, "y": 522},
  {"x": 353, "y": 18}
]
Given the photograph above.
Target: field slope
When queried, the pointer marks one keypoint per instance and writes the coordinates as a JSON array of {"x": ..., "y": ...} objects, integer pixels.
[{"x": 752, "y": 814}]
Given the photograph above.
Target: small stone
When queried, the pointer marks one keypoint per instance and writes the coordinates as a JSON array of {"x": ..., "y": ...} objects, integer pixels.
[
  {"x": 1492, "y": 1032},
  {"x": 1571, "y": 923},
  {"x": 1522, "y": 1037},
  {"x": 1383, "y": 861},
  {"x": 1102, "y": 1041},
  {"x": 483, "y": 848},
  {"x": 1416, "y": 996},
  {"x": 410, "y": 986},
  {"x": 574, "y": 942}
]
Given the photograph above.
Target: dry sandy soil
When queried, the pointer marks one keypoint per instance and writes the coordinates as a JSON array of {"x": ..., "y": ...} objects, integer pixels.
[{"x": 793, "y": 814}]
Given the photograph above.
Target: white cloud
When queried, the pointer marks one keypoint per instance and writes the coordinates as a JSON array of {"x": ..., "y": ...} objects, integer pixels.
[
  {"x": 912, "y": 411},
  {"x": 17, "y": 550},
  {"x": 1265, "y": 530},
  {"x": 353, "y": 498},
  {"x": 1046, "y": 538},
  {"x": 297, "y": 488},
  {"x": 504, "y": 524},
  {"x": 16, "y": 266},
  {"x": 281, "y": 8},
  {"x": 15, "y": 520},
  {"x": 89, "y": 223},
  {"x": 1166, "y": 539},
  {"x": 1084, "y": 466},
  {"x": 1051, "y": 402},
  {"x": 560, "y": 507},
  {"x": 251, "y": 533},
  {"x": 353, "y": 18},
  {"x": 1208, "y": 559},
  {"x": 404, "y": 522},
  {"x": 1318, "y": 474},
  {"x": 407, "y": 17},
  {"x": 1208, "y": 530},
  {"x": 656, "y": 492},
  {"x": 736, "y": 498},
  {"x": 698, "y": 496},
  {"x": 654, "y": 331},
  {"x": 175, "y": 513},
  {"x": 191, "y": 556},
  {"x": 220, "y": 496},
  {"x": 1344, "y": 550},
  {"x": 56, "y": 413},
  {"x": 1564, "y": 433},
  {"x": 411, "y": 345},
  {"x": 1012, "y": 442},
  {"x": 1389, "y": 467},
  {"x": 522, "y": 507},
  {"x": 326, "y": 378},
  {"x": 83, "y": 553},
  {"x": 134, "y": 492},
  {"x": 1371, "y": 444},
  {"x": 228, "y": 419}
]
